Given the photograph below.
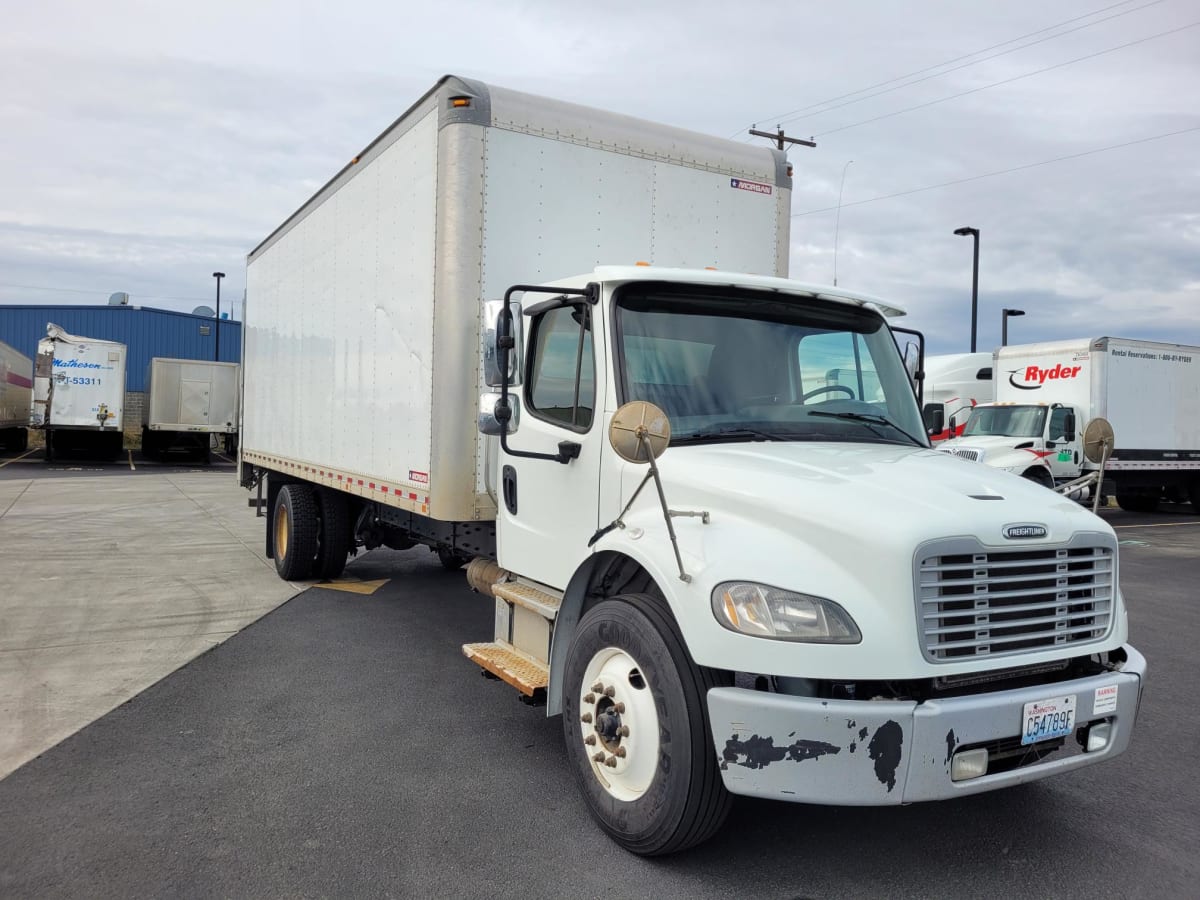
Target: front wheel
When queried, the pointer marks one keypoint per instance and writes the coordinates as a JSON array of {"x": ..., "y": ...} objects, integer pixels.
[
  {"x": 1041, "y": 476},
  {"x": 635, "y": 722}
]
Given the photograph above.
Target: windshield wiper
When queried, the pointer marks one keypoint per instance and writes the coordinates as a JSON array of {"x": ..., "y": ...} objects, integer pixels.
[
  {"x": 729, "y": 433},
  {"x": 869, "y": 418}
]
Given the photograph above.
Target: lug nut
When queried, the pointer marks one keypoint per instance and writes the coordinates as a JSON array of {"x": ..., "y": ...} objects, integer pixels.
[
  {"x": 609, "y": 691},
  {"x": 590, "y": 740},
  {"x": 621, "y": 752},
  {"x": 611, "y": 762},
  {"x": 586, "y": 717},
  {"x": 619, "y": 707},
  {"x": 623, "y": 731},
  {"x": 589, "y": 698},
  {"x": 598, "y": 687},
  {"x": 599, "y": 757}
]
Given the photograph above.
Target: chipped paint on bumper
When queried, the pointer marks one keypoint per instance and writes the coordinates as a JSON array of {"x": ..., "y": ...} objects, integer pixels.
[{"x": 879, "y": 753}]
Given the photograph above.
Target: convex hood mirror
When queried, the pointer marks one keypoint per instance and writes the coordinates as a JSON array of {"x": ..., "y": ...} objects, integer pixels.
[{"x": 639, "y": 432}]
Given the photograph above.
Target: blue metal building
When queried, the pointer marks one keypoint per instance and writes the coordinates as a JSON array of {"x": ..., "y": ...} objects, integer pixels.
[{"x": 147, "y": 333}]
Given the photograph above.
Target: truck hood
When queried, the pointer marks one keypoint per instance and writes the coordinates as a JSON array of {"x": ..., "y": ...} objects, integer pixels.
[
  {"x": 865, "y": 492},
  {"x": 998, "y": 450}
]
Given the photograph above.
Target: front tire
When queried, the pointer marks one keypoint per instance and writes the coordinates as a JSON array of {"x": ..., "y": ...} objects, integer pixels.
[
  {"x": 1041, "y": 476},
  {"x": 295, "y": 526},
  {"x": 635, "y": 722}
]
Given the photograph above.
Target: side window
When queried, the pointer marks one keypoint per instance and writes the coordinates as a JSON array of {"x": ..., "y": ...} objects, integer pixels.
[
  {"x": 1058, "y": 423},
  {"x": 561, "y": 384}
]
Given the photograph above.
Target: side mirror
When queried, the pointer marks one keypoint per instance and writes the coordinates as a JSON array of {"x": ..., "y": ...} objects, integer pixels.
[
  {"x": 1069, "y": 427},
  {"x": 502, "y": 342},
  {"x": 934, "y": 415},
  {"x": 488, "y": 420},
  {"x": 639, "y": 432}
]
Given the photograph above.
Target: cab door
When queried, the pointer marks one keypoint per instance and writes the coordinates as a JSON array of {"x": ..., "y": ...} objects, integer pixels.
[
  {"x": 1063, "y": 443},
  {"x": 548, "y": 509}
]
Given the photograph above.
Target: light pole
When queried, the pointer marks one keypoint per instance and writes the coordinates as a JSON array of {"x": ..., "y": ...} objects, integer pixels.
[
  {"x": 837, "y": 225},
  {"x": 1004, "y": 314},
  {"x": 217, "y": 351},
  {"x": 973, "y": 232}
]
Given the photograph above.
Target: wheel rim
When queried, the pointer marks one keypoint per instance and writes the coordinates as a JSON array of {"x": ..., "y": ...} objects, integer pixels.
[
  {"x": 619, "y": 724},
  {"x": 281, "y": 532}
]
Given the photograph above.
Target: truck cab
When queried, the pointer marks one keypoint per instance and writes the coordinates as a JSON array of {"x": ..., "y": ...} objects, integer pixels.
[
  {"x": 1040, "y": 441},
  {"x": 840, "y": 612}
]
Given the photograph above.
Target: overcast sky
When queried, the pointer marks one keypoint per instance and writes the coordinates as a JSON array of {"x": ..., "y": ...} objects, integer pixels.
[{"x": 147, "y": 144}]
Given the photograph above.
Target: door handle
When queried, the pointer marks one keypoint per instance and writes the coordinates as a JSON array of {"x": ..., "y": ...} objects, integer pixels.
[{"x": 509, "y": 484}]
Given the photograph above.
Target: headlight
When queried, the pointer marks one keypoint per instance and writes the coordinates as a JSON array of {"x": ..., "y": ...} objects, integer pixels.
[{"x": 764, "y": 611}]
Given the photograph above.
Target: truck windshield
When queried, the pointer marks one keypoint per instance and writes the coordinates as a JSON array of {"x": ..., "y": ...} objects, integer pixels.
[
  {"x": 737, "y": 365},
  {"x": 1010, "y": 421}
]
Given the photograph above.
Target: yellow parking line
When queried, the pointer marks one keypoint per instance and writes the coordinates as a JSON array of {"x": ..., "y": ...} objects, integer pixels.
[{"x": 15, "y": 458}]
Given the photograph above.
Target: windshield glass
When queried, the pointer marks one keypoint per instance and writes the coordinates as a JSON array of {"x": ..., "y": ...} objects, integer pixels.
[
  {"x": 727, "y": 364},
  {"x": 1011, "y": 421}
]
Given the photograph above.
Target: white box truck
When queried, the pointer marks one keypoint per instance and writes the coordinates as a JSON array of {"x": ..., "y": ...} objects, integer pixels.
[
  {"x": 187, "y": 402},
  {"x": 79, "y": 394},
  {"x": 809, "y": 604},
  {"x": 16, "y": 398},
  {"x": 954, "y": 384},
  {"x": 1047, "y": 393}
]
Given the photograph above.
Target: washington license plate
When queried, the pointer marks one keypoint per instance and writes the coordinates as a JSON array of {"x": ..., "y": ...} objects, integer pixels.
[{"x": 1043, "y": 720}]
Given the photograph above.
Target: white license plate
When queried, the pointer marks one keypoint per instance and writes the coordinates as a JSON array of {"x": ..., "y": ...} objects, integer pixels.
[{"x": 1043, "y": 720}]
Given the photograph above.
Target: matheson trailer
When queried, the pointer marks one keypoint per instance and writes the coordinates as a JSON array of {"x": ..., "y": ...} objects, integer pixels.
[{"x": 808, "y": 603}]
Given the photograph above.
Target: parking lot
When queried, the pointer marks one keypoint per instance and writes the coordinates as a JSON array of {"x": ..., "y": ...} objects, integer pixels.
[{"x": 340, "y": 745}]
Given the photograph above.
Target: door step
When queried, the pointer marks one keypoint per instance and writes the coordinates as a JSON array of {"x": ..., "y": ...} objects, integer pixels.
[
  {"x": 508, "y": 664},
  {"x": 539, "y": 601}
]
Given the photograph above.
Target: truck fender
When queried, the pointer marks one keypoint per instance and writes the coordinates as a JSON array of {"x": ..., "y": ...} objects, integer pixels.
[{"x": 629, "y": 571}]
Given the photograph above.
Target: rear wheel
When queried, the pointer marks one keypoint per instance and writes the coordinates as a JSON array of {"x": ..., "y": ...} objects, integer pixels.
[
  {"x": 295, "y": 525},
  {"x": 334, "y": 538},
  {"x": 1137, "y": 502},
  {"x": 1194, "y": 495},
  {"x": 635, "y": 721}
]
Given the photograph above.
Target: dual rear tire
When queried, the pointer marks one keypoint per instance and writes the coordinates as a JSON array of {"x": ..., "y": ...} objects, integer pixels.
[{"x": 311, "y": 532}]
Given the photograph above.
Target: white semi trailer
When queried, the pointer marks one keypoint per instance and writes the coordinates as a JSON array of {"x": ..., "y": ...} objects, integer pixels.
[
  {"x": 809, "y": 604},
  {"x": 1047, "y": 393},
  {"x": 16, "y": 398},
  {"x": 187, "y": 402},
  {"x": 954, "y": 384},
  {"x": 79, "y": 394}
]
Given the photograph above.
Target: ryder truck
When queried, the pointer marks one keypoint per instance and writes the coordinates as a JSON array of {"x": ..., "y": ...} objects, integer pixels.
[
  {"x": 421, "y": 367},
  {"x": 1046, "y": 394}
]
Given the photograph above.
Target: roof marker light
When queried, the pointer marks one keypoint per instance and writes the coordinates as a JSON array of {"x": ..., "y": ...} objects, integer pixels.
[
  {"x": 458, "y": 102},
  {"x": 641, "y": 263}
]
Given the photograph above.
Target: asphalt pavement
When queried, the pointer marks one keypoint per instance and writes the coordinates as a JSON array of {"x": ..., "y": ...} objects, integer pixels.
[{"x": 342, "y": 746}]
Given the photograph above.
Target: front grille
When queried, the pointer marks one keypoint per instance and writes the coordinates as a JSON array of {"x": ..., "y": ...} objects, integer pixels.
[{"x": 1005, "y": 602}]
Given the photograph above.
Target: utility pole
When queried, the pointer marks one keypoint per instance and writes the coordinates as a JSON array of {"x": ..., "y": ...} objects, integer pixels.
[
  {"x": 780, "y": 138},
  {"x": 217, "y": 323}
]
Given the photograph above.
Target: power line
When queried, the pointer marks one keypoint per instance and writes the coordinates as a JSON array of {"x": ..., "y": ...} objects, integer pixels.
[
  {"x": 96, "y": 293},
  {"x": 1044, "y": 162},
  {"x": 898, "y": 87},
  {"x": 985, "y": 87}
]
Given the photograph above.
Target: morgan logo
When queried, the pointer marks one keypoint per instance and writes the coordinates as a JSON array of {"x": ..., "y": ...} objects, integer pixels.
[
  {"x": 1033, "y": 377},
  {"x": 756, "y": 187},
  {"x": 1019, "y": 532}
]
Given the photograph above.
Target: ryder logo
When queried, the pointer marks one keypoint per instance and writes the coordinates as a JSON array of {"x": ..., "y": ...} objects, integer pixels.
[{"x": 1033, "y": 377}]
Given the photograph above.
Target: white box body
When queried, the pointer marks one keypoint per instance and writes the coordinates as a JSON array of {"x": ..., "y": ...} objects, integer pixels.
[
  {"x": 16, "y": 387},
  {"x": 78, "y": 382},
  {"x": 191, "y": 395},
  {"x": 361, "y": 357}
]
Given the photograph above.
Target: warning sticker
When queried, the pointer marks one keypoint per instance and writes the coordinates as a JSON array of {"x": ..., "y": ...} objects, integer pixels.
[
  {"x": 1105, "y": 700},
  {"x": 418, "y": 477},
  {"x": 756, "y": 187}
]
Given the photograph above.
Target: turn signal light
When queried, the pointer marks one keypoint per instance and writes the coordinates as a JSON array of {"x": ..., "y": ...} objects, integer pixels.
[{"x": 460, "y": 101}]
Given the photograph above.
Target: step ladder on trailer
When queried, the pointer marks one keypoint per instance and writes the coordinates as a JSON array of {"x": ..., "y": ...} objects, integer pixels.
[{"x": 525, "y": 613}]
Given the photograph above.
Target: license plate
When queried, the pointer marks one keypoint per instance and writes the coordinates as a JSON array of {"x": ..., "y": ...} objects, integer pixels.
[{"x": 1043, "y": 720}]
